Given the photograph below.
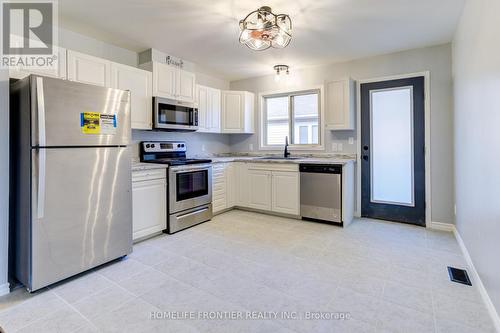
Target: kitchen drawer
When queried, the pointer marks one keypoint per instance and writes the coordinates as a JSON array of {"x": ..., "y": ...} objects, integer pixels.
[{"x": 143, "y": 175}]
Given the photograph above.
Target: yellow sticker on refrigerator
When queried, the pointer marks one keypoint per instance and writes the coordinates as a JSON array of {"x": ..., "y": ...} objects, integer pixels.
[
  {"x": 97, "y": 123},
  {"x": 90, "y": 122}
]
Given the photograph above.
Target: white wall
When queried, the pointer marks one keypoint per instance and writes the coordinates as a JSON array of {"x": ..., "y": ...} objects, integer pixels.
[
  {"x": 81, "y": 43},
  {"x": 212, "y": 143},
  {"x": 436, "y": 59},
  {"x": 476, "y": 71},
  {"x": 4, "y": 179}
]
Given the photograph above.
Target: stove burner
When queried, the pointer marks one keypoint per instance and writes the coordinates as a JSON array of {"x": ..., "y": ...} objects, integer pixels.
[
  {"x": 167, "y": 152},
  {"x": 178, "y": 161}
]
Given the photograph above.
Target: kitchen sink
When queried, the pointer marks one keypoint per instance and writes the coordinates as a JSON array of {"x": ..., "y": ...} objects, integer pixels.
[{"x": 279, "y": 158}]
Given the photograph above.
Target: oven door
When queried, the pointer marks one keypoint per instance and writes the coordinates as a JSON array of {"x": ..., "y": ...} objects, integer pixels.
[
  {"x": 190, "y": 186},
  {"x": 172, "y": 115}
]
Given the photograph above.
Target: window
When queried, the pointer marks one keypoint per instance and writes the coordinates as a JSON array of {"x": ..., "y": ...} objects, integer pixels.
[
  {"x": 293, "y": 115},
  {"x": 303, "y": 135}
]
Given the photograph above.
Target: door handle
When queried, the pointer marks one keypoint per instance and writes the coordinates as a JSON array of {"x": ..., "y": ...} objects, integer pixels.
[
  {"x": 365, "y": 157},
  {"x": 41, "y": 182},
  {"x": 41, "y": 111}
]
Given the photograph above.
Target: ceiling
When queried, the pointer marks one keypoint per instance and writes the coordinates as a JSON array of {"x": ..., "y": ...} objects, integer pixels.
[{"x": 206, "y": 32}]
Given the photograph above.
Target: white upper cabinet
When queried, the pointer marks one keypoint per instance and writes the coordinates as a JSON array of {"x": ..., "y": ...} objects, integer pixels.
[
  {"x": 237, "y": 112},
  {"x": 185, "y": 85},
  {"x": 214, "y": 101},
  {"x": 340, "y": 105},
  {"x": 58, "y": 72},
  {"x": 139, "y": 82},
  {"x": 171, "y": 82},
  {"x": 209, "y": 110},
  {"x": 88, "y": 69},
  {"x": 203, "y": 109},
  {"x": 164, "y": 78}
]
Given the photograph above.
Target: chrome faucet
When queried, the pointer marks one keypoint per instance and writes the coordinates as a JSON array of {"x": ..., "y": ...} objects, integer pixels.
[{"x": 286, "y": 153}]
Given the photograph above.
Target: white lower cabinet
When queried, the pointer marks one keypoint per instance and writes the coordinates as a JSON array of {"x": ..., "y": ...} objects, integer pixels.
[
  {"x": 224, "y": 186},
  {"x": 149, "y": 198},
  {"x": 241, "y": 184},
  {"x": 259, "y": 189},
  {"x": 262, "y": 186},
  {"x": 285, "y": 192},
  {"x": 231, "y": 185},
  {"x": 273, "y": 187},
  {"x": 219, "y": 195}
]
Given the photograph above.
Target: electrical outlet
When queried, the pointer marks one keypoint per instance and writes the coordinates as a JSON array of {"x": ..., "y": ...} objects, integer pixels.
[
  {"x": 202, "y": 147},
  {"x": 341, "y": 147},
  {"x": 250, "y": 146},
  {"x": 335, "y": 146},
  {"x": 351, "y": 140}
]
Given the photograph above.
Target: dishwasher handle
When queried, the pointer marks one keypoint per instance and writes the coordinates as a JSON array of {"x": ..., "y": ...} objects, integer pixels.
[{"x": 321, "y": 168}]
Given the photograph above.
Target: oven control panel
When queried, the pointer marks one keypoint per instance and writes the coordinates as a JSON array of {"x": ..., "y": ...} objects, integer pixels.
[{"x": 164, "y": 146}]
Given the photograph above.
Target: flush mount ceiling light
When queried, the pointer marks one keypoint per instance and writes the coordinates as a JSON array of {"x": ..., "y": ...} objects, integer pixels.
[
  {"x": 261, "y": 29},
  {"x": 279, "y": 69}
]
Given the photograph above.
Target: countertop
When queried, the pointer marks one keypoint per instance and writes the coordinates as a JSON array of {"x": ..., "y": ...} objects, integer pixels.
[
  {"x": 139, "y": 166},
  {"x": 260, "y": 159},
  {"x": 342, "y": 160}
]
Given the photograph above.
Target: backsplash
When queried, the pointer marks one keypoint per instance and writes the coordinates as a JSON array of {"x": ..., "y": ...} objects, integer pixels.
[{"x": 197, "y": 143}]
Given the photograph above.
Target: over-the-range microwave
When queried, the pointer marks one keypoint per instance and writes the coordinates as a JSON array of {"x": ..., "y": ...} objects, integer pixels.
[{"x": 171, "y": 115}]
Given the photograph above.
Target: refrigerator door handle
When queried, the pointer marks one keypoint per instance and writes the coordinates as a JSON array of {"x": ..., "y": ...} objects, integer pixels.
[
  {"x": 42, "y": 156},
  {"x": 41, "y": 111}
]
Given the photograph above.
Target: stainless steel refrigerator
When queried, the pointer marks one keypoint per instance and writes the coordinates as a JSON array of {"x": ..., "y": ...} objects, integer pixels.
[{"x": 71, "y": 178}]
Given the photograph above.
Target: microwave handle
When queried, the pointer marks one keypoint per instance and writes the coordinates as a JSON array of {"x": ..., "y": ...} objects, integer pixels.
[{"x": 194, "y": 115}]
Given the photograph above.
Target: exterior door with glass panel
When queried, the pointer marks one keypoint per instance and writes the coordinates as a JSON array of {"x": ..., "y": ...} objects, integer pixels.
[{"x": 393, "y": 150}]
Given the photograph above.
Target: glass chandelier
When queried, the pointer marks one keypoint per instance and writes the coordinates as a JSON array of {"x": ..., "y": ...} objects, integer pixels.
[{"x": 261, "y": 29}]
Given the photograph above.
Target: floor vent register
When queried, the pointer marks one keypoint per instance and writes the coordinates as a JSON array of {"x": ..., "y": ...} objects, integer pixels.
[{"x": 459, "y": 275}]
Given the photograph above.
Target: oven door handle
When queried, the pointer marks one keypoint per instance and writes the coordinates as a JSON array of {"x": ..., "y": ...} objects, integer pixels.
[{"x": 190, "y": 169}]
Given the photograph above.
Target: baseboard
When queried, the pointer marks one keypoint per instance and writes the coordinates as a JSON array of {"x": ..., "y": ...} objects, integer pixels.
[
  {"x": 441, "y": 226},
  {"x": 475, "y": 276},
  {"x": 4, "y": 289}
]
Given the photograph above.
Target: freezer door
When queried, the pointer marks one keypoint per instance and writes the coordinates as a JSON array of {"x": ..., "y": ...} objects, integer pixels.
[
  {"x": 81, "y": 210},
  {"x": 64, "y": 113}
]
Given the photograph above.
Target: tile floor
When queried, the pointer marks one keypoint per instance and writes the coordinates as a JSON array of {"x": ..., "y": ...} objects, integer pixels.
[{"x": 386, "y": 277}]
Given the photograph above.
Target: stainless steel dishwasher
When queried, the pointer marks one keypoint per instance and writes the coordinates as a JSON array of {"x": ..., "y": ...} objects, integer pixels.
[{"x": 321, "y": 192}]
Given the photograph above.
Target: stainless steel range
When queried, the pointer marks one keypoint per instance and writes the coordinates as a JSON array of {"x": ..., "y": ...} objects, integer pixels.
[{"x": 189, "y": 183}]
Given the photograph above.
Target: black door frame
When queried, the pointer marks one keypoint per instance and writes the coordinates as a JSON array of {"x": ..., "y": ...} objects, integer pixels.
[{"x": 426, "y": 139}]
